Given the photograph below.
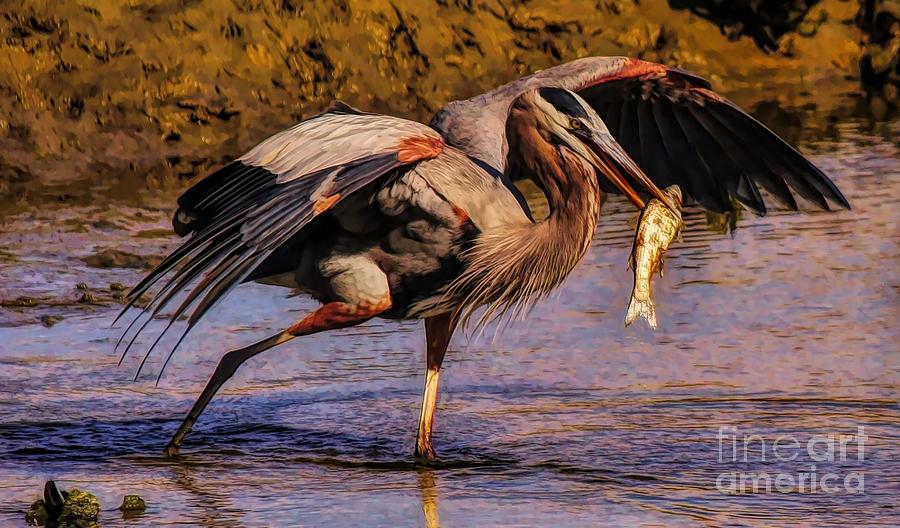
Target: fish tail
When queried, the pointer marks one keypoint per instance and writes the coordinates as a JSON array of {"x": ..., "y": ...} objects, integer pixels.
[{"x": 642, "y": 308}]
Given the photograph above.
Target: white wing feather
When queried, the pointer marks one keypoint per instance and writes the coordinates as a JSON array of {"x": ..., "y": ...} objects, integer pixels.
[{"x": 332, "y": 140}]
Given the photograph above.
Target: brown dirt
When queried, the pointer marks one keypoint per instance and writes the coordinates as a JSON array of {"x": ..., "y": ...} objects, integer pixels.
[{"x": 124, "y": 96}]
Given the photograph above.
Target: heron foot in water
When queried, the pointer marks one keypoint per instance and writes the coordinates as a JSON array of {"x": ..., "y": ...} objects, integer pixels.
[{"x": 425, "y": 454}]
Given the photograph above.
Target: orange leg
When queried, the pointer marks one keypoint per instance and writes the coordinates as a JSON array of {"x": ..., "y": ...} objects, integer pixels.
[
  {"x": 337, "y": 315},
  {"x": 328, "y": 317},
  {"x": 438, "y": 330}
]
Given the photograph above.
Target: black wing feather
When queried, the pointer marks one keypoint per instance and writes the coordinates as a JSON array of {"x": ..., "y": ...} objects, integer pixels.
[
  {"x": 697, "y": 179},
  {"x": 752, "y": 168},
  {"x": 799, "y": 180},
  {"x": 652, "y": 147},
  {"x": 722, "y": 176},
  {"x": 611, "y": 115},
  {"x": 681, "y": 132},
  {"x": 236, "y": 232},
  {"x": 629, "y": 137},
  {"x": 198, "y": 206},
  {"x": 628, "y": 131}
]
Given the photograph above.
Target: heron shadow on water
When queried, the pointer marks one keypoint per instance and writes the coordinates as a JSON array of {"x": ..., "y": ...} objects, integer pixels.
[{"x": 376, "y": 216}]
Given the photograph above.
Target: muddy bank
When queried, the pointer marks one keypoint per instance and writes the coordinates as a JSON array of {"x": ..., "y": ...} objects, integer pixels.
[{"x": 123, "y": 97}]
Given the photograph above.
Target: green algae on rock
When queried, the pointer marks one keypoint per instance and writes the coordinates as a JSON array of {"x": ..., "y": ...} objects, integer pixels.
[
  {"x": 73, "y": 508},
  {"x": 132, "y": 506},
  {"x": 37, "y": 513},
  {"x": 80, "y": 508}
]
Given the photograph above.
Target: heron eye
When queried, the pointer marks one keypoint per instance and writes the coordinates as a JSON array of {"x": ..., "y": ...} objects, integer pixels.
[{"x": 574, "y": 123}]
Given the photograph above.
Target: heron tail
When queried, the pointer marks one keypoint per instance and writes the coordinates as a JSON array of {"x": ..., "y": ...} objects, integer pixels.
[{"x": 643, "y": 308}]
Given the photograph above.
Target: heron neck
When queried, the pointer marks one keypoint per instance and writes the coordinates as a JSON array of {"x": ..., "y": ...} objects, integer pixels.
[
  {"x": 567, "y": 181},
  {"x": 574, "y": 200},
  {"x": 513, "y": 265}
]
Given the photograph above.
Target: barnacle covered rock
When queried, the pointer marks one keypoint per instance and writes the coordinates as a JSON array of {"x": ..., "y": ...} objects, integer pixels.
[
  {"x": 80, "y": 508},
  {"x": 132, "y": 505},
  {"x": 37, "y": 513},
  {"x": 74, "y": 508}
]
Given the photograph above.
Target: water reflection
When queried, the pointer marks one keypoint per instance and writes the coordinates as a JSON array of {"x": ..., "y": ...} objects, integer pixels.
[
  {"x": 429, "y": 494},
  {"x": 211, "y": 506}
]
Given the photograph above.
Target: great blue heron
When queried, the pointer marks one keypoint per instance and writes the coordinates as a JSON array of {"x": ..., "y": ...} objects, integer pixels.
[
  {"x": 379, "y": 216},
  {"x": 376, "y": 216}
]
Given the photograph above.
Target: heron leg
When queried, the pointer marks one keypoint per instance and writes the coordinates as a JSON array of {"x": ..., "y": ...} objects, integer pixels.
[
  {"x": 330, "y": 316},
  {"x": 438, "y": 330}
]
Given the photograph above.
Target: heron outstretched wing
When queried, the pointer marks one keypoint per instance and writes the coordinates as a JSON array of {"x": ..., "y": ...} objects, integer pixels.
[
  {"x": 670, "y": 122},
  {"x": 241, "y": 214}
]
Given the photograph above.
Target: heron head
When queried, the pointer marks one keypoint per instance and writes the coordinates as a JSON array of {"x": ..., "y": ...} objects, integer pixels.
[{"x": 568, "y": 121}]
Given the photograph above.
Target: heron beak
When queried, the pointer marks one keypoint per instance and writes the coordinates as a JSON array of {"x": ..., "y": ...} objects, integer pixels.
[{"x": 607, "y": 156}]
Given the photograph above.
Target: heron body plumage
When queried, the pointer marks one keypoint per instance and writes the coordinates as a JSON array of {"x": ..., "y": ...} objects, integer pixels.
[{"x": 350, "y": 226}]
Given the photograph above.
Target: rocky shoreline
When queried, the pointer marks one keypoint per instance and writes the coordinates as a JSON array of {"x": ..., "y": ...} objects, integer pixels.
[{"x": 116, "y": 98}]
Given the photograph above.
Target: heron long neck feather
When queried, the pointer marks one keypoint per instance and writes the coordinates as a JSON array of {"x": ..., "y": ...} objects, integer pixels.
[{"x": 512, "y": 266}]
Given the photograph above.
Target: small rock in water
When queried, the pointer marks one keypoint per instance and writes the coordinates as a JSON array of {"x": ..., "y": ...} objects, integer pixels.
[
  {"x": 79, "y": 506},
  {"x": 88, "y": 298},
  {"x": 81, "y": 286},
  {"x": 37, "y": 513},
  {"x": 132, "y": 505},
  {"x": 117, "y": 286},
  {"x": 50, "y": 320}
]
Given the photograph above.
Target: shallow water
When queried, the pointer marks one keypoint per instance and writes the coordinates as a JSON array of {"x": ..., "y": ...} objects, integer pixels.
[{"x": 787, "y": 326}]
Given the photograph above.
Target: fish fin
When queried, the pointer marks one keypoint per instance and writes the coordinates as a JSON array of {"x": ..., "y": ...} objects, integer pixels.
[{"x": 643, "y": 309}]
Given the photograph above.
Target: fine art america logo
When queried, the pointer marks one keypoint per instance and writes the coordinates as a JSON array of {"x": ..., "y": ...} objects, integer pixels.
[{"x": 829, "y": 451}]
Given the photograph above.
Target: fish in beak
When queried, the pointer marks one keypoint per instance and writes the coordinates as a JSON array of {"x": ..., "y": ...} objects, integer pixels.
[{"x": 607, "y": 156}]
